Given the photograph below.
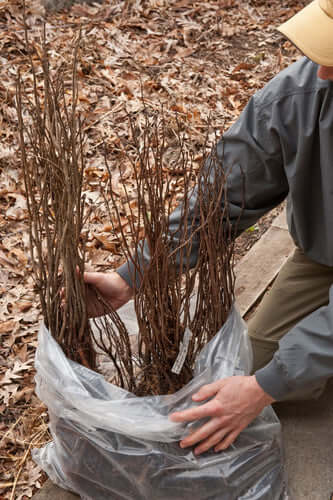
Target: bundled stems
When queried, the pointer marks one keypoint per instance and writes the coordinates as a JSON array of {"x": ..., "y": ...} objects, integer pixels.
[
  {"x": 51, "y": 145},
  {"x": 180, "y": 260},
  {"x": 179, "y": 254}
]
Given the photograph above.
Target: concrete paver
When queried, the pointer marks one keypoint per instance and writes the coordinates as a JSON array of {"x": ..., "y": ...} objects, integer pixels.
[
  {"x": 307, "y": 428},
  {"x": 258, "y": 268}
]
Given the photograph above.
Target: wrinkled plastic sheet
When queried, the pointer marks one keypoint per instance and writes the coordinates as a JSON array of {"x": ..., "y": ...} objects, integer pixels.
[{"x": 109, "y": 444}]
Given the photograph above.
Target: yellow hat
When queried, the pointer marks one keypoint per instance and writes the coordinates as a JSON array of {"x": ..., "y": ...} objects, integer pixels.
[{"x": 311, "y": 30}]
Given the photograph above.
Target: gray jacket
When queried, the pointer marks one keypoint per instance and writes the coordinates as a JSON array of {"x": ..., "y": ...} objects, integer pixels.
[{"x": 283, "y": 144}]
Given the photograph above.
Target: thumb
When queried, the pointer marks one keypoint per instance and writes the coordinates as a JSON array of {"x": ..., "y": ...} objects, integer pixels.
[
  {"x": 91, "y": 278},
  {"x": 208, "y": 391}
]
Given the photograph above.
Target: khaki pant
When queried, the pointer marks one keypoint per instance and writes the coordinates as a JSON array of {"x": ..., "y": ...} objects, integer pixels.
[{"x": 300, "y": 288}]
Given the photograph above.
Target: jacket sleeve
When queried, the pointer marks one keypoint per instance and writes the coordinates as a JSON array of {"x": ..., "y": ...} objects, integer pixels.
[
  {"x": 250, "y": 153},
  {"x": 304, "y": 357}
]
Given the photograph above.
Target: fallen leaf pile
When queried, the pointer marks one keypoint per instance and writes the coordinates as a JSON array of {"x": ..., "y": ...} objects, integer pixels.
[{"x": 200, "y": 60}]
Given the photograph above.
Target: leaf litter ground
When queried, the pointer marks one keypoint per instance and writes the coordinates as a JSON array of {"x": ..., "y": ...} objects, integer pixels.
[{"x": 200, "y": 60}]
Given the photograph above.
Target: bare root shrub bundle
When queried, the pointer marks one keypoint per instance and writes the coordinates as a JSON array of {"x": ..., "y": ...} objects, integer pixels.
[
  {"x": 53, "y": 167},
  {"x": 180, "y": 301}
]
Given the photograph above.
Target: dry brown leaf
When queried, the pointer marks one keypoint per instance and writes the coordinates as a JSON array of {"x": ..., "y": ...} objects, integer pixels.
[
  {"x": 20, "y": 255},
  {"x": 101, "y": 258},
  {"x": 6, "y": 261},
  {"x": 107, "y": 228},
  {"x": 7, "y": 392},
  {"x": 184, "y": 52},
  {"x": 111, "y": 246},
  {"x": 243, "y": 65},
  {"x": 19, "y": 210},
  {"x": 15, "y": 372},
  {"x": 25, "y": 394},
  {"x": 23, "y": 305},
  {"x": 22, "y": 353},
  {"x": 7, "y": 326}
]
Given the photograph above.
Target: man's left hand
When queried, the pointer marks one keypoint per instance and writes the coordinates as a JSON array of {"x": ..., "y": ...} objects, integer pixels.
[{"x": 235, "y": 402}]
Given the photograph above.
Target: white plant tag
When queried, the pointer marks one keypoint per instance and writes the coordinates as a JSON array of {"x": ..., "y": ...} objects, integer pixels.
[{"x": 183, "y": 348}]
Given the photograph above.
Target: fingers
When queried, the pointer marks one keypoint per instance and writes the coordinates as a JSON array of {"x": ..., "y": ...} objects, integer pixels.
[
  {"x": 232, "y": 404},
  {"x": 207, "y": 430},
  {"x": 213, "y": 440},
  {"x": 91, "y": 278},
  {"x": 216, "y": 435},
  {"x": 208, "y": 391},
  {"x": 227, "y": 441},
  {"x": 195, "y": 413}
]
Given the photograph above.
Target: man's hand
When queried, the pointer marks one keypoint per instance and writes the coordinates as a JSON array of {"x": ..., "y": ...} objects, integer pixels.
[
  {"x": 111, "y": 286},
  {"x": 236, "y": 402}
]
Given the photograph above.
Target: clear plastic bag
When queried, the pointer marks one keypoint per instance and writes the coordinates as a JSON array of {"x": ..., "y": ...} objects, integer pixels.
[{"x": 109, "y": 444}]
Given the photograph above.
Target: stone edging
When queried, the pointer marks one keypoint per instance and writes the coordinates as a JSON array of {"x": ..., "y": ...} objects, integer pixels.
[{"x": 258, "y": 268}]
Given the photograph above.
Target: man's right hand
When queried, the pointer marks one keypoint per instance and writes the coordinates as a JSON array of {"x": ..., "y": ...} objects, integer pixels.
[{"x": 112, "y": 288}]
